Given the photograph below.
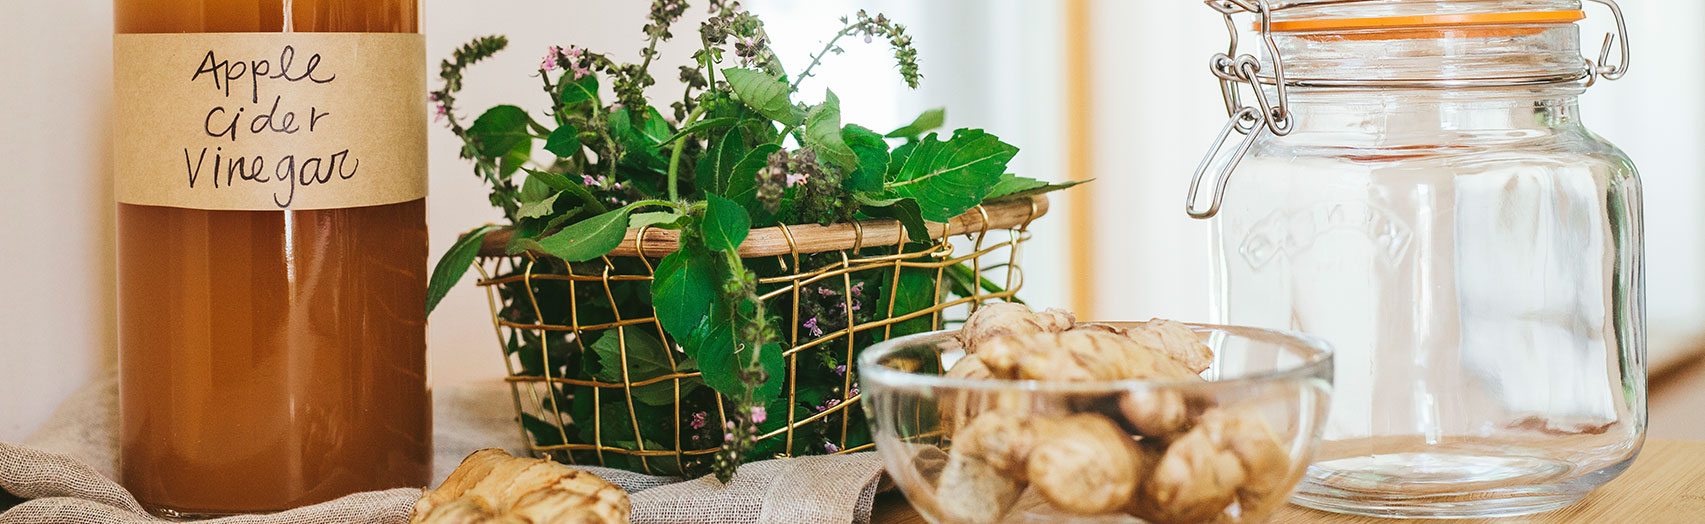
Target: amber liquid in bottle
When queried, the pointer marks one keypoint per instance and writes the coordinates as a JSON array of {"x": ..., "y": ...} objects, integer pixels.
[{"x": 271, "y": 359}]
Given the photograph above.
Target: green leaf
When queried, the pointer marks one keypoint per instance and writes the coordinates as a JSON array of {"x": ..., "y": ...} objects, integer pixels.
[
  {"x": 544, "y": 433},
  {"x": 702, "y": 125},
  {"x": 498, "y": 132},
  {"x": 663, "y": 219},
  {"x": 647, "y": 358},
  {"x": 564, "y": 142},
  {"x": 712, "y": 348},
  {"x": 951, "y": 177},
  {"x": 715, "y": 174},
  {"x": 915, "y": 292},
  {"x": 963, "y": 278},
  {"x": 743, "y": 182},
  {"x": 897, "y": 158},
  {"x": 517, "y": 158},
  {"x": 721, "y": 358},
  {"x": 1014, "y": 185},
  {"x": 772, "y": 363},
  {"x": 641, "y": 137},
  {"x": 583, "y": 90},
  {"x": 726, "y": 224},
  {"x": 682, "y": 290},
  {"x": 562, "y": 183},
  {"x": 904, "y": 210},
  {"x": 764, "y": 93},
  {"x": 455, "y": 263},
  {"x": 587, "y": 239},
  {"x": 924, "y": 123},
  {"x": 539, "y": 209},
  {"x": 823, "y": 133},
  {"x": 872, "y": 154},
  {"x": 535, "y": 188}
]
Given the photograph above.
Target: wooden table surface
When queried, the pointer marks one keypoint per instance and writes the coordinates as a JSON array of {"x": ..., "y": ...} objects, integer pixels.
[{"x": 1665, "y": 485}]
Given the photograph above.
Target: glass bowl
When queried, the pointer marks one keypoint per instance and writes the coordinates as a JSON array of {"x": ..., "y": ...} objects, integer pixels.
[{"x": 1272, "y": 383}]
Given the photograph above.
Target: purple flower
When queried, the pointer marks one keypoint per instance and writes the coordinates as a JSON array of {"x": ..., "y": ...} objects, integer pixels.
[
  {"x": 841, "y": 370},
  {"x": 810, "y": 325},
  {"x": 858, "y": 288},
  {"x": 698, "y": 421},
  {"x": 825, "y": 291},
  {"x": 759, "y": 415},
  {"x": 441, "y": 112},
  {"x": 830, "y": 447},
  {"x": 552, "y": 55},
  {"x": 794, "y": 179},
  {"x": 830, "y": 404},
  {"x": 728, "y": 437}
]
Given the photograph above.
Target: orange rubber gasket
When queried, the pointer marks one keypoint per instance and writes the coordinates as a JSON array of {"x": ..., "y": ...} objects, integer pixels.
[{"x": 1429, "y": 21}]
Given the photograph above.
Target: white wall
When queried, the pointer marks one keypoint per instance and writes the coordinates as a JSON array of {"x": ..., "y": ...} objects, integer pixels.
[{"x": 56, "y": 265}]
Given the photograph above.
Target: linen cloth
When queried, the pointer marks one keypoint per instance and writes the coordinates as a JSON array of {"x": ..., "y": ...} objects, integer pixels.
[{"x": 63, "y": 474}]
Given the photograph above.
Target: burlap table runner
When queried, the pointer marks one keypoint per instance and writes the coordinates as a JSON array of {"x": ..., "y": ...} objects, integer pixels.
[{"x": 63, "y": 474}]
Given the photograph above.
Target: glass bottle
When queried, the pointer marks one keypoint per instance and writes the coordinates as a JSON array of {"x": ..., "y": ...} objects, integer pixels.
[
  {"x": 1424, "y": 195},
  {"x": 272, "y": 305}
]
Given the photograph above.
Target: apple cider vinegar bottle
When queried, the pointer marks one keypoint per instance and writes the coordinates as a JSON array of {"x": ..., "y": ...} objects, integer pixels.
[{"x": 270, "y": 175}]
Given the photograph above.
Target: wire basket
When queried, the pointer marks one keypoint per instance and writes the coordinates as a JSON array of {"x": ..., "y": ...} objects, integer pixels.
[{"x": 596, "y": 380}]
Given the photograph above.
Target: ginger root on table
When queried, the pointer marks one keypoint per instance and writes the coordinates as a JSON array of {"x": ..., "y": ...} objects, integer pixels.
[{"x": 490, "y": 486}]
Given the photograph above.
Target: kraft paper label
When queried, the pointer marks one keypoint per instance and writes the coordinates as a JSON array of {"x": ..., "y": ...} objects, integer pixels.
[{"x": 268, "y": 121}]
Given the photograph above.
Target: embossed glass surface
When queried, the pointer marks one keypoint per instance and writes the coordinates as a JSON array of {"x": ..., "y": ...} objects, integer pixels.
[{"x": 1474, "y": 257}]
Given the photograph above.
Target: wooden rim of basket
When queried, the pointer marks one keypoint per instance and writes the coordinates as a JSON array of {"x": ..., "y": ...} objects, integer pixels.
[{"x": 1011, "y": 213}]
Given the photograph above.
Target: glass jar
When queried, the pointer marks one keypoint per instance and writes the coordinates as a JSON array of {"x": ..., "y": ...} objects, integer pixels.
[
  {"x": 1414, "y": 184},
  {"x": 271, "y": 293}
]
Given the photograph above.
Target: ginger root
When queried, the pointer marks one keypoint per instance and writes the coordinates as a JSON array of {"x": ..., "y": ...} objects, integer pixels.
[
  {"x": 1085, "y": 464},
  {"x": 1160, "y": 414},
  {"x": 986, "y": 469},
  {"x": 1155, "y": 453},
  {"x": 1229, "y": 455},
  {"x": 958, "y": 407},
  {"x": 1175, "y": 340},
  {"x": 490, "y": 486},
  {"x": 1077, "y": 356},
  {"x": 1004, "y": 319}
]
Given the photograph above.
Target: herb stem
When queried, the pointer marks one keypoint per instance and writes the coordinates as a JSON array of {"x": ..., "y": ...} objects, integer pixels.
[
  {"x": 818, "y": 58},
  {"x": 675, "y": 156},
  {"x": 661, "y": 203}
]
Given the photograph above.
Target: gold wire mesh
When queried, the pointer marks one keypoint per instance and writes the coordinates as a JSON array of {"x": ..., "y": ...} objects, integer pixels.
[{"x": 537, "y": 396}]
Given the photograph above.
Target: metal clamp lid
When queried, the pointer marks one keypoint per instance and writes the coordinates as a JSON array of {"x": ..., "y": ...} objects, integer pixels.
[{"x": 1271, "y": 112}]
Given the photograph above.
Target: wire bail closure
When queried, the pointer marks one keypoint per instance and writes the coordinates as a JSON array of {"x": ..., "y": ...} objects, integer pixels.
[{"x": 1271, "y": 113}]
